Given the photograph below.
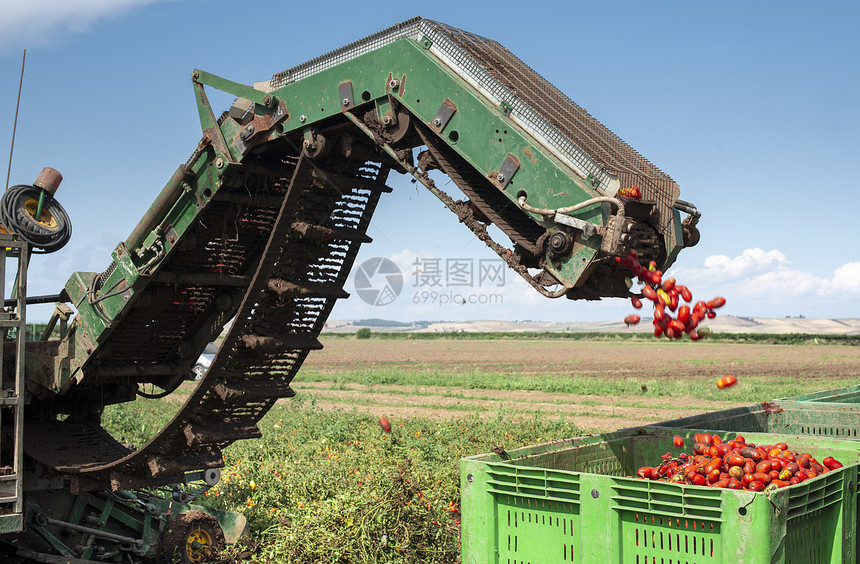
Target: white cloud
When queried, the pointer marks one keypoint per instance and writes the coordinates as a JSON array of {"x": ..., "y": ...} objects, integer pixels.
[
  {"x": 847, "y": 278},
  {"x": 26, "y": 24},
  {"x": 765, "y": 283},
  {"x": 750, "y": 263}
]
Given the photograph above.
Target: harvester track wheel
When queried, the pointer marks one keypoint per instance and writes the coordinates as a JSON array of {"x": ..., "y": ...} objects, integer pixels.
[{"x": 191, "y": 538}]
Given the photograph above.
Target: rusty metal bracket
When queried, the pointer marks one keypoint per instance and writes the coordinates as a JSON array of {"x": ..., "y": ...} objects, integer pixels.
[
  {"x": 347, "y": 101},
  {"x": 443, "y": 116},
  {"x": 260, "y": 128},
  {"x": 506, "y": 172}
]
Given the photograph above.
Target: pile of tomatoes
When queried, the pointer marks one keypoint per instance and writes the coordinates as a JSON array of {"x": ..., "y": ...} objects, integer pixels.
[
  {"x": 666, "y": 296},
  {"x": 737, "y": 465}
]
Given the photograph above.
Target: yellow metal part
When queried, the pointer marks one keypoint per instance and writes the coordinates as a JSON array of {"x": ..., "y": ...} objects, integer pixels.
[
  {"x": 31, "y": 205},
  {"x": 198, "y": 545}
]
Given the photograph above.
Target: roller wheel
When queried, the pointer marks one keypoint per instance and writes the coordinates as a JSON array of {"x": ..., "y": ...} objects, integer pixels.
[{"x": 191, "y": 538}]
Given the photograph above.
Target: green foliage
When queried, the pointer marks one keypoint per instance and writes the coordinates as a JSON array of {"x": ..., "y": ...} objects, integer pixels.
[
  {"x": 136, "y": 422},
  {"x": 332, "y": 487},
  {"x": 376, "y": 322},
  {"x": 363, "y": 333}
]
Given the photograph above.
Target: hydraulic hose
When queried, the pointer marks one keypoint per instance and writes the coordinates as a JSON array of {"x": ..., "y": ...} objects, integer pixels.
[
  {"x": 43, "y": 237},
  {"x": 571, "y": 209}
]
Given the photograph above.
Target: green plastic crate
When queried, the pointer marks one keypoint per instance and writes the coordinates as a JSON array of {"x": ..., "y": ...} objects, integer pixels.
[
  {"x": 831, "y": 413},
  {"x": 839, "y": 420},
  {"x": 573, "y": 501},
  {"x": 849, "y": 395}
]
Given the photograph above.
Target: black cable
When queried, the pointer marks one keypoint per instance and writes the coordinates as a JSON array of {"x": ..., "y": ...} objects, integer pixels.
[{"x": 17, "y": 220}]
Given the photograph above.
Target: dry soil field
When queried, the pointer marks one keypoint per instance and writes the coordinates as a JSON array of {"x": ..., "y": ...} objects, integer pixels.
[{"x": 598, "y": 385}]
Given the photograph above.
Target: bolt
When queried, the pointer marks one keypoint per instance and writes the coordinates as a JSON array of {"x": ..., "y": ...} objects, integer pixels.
[
  {"x": 386, "y": 120},
  {"x": 219, "y": 162},
  {"x": 500, "y": 177},
  {"x": 437, "y": 122},
  {"x": 345, "y": 101},
  {"x": 267, "y": 100},
  {"x": 303, "y": 118},
  {"x": 470, "y": 478},
  {"x": 595, "y": 494},
  {"x": 393, "y": 83}
]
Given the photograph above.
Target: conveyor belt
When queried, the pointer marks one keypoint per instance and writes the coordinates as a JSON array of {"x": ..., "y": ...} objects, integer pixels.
[{"x": 299, "y": 271}]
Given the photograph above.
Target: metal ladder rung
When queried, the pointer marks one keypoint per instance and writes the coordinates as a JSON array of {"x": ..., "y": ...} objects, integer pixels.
[{"x": 9, "y": 401}]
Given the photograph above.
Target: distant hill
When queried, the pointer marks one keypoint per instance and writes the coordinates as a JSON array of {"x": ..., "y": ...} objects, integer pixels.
[{"x": 721, "y": 324}]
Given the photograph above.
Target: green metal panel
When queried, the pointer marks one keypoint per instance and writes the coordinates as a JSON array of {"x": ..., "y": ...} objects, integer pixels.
[
  {"x": 582, "y": 484},
  {"x": 11, "y": 523},
  {"x": 481, "y": 133}
]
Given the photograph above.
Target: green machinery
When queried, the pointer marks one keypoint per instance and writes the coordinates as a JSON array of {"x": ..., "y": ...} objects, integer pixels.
[{"x": 262, "y": 223}]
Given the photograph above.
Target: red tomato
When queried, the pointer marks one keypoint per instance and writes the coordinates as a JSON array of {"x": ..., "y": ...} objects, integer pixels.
[
  {"x": 684, "y": 314},
  {"x": 676, "y": 326},
  {"x": 831, "y": 463},
  {"x": 644, "y": 472},
  {"x": 727, "y": 381},
  {"x": 716, "y": 302},
  {"x": 668, "y": 284},
  {"x": 735, "y": 459},
  {"x": 703, "y": 438},
  {"x": 631, "y": 320},
  {"x": 386, "y": 426},
  {"x": 686, "y": 293},
  {"x": 649, "y": 293},
  {"x": 764, "y": 466},
  {"x": 636, "y": 302},
  {"x": 678, "y": 441}
]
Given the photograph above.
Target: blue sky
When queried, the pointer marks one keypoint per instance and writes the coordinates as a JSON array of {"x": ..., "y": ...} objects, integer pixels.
[{"x": 750, "y": 107}]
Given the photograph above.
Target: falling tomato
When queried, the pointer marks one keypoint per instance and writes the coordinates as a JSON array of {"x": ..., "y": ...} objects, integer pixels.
[
  {"x": 727, "y": 381},
  {"x": 678, "y": 441},
  {"x": 631, "y": 320},
  {"x": 384, "y": 423}
]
